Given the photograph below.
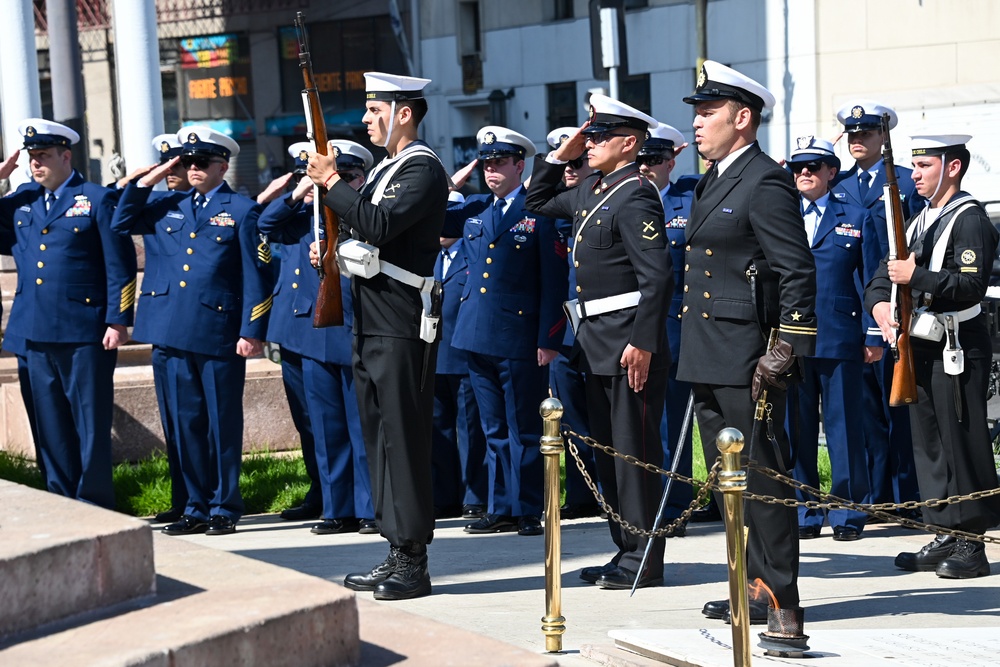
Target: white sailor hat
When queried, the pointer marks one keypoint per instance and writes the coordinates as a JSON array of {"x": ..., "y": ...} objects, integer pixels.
[
  {"x": 382, "y": 87},
  {"x": 300, "y": 151},
  {"x": 495, "y": 141},
  {"x": 557, "y": 136},
  {"x": 813, "y": 149},
  {"x": 609, "y": 114},
  {"x": 662, "y": 140},
  {"x": 203, "y": 140},
  {"x": 167, "y": 146},
  {"x": 351, "y": 155},
  {"x": 862, "y": 115},
  {"x": 718, "y": 82},
  {"x": 41, "y": 133},
  {"x": 937, "y": 144}
]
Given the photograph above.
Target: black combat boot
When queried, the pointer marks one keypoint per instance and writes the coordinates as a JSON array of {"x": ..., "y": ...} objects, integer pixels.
[
  {"x": 367, "y": 581},
  {"x": 966, "y": 561},
  {"x": 409, "y": 578},
  {"x": 929, "y": 557}
]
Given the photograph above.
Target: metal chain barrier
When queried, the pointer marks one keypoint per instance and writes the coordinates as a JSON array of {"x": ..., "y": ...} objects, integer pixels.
[{"x": 827, "y": 501}]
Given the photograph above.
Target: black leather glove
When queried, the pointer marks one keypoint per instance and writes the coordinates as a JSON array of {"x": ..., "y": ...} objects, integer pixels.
[{"x": 773, "y": 369}]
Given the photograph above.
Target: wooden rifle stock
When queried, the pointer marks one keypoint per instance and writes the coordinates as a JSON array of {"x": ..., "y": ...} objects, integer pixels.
[
  {"x": 904, "y": 381},
  {"x": 329, "y": 311}
]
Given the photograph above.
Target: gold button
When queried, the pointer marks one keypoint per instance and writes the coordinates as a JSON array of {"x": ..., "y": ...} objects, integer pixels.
[
  {"x": 678, "y": 316},
  {"x": 707, "y": 295},
  {"x": 152, "y": 294},
  {"x": 687, "y": 287},
  {"x": 576, "y": 265},
  {"x": 705, "y": 315},
  {"x": 45, "y": 231},
  {"x": 220, "y": 308},
  {"x": 218, "y": 238},
  {"x": 578, "y": 238},
  {"x": 193, "y": 235},
  {"x": 41, "y": 247},
  {"x": 170, "y": 229},
  {"x": 187, "y": 268},
  {"x": 578, "y": 289},
  {"x": 583, "y": 213},
  {"x": 687, "y": 267},
  {"x": 673, "y": 243},
  {"x": 687, "y": 248},
  {"x": 708, "y": 274},
  {"x": 684, "y": 309},
  {"x": 520, "y": 312},
  {"x": 517, "y": 247},
  {"x": 19, "y": 223},
  {"x": 598, "y": 222},
  {"x": 295, "y": 310},
  {"x": 190, "y": 251},
  {"x": 489, "y": 260},
  {"x": 708, "y": 251},
  {"x": 183, "y": 284},
  {"x": 296, "y": 272},
  {"x": 482, "y": 290},
  {"x": 87, "y": 300},
  {"x": 38, "y": 281},
  {"x": 492, "y": 246},
  {"x": 76, "y": 229},
  {"x": 295, "y": 285},
  {"x": 486, "y": 275},
  {"x": 41, "y": 265}
]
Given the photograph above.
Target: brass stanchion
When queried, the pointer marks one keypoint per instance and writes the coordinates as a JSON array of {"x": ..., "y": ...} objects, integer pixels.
[
  {"x": 732, "y": 483},
  {"x": 553, "y": 623}
]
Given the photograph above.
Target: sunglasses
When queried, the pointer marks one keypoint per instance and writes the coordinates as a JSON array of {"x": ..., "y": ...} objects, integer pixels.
[
  {"x": 578, "y": 162},
  {"x": 350, "y": 175},
  {"x": 651, "y": 160},
  {"x": 599, "y": 138},
  {"x": 200, "y": 163},
  {"x": 813, "y": 166}
]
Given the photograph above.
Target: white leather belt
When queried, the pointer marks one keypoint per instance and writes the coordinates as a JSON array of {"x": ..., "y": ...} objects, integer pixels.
[
  {"x": 967, "y": 314},
  {"x": 404, "y": 276},
  {"x": 607, "y": 304}
]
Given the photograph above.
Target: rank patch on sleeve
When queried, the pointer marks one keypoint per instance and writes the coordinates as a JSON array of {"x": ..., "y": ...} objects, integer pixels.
[
  {"x": 649, "y": 230},
  {"x": 264, "y": 252}
]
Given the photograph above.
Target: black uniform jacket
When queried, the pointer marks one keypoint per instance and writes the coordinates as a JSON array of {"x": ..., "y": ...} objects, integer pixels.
[
  {"x": 405, "y": 226},
  {"x": 620, "y": 250},
  {"x": 749, "y": 215},
  {"x": 964, "y": 276}
]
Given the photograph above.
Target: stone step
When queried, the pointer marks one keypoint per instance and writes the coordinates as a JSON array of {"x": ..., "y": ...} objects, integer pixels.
[{"x": 60, "y": 557}]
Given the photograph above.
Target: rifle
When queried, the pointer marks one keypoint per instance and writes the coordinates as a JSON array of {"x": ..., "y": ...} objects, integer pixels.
[
  {"x": 329, "y": 301},
  {"x": 904, "y": 382}
]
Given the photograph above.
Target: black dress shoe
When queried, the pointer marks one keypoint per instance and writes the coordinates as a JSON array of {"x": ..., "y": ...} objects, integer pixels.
[
  {"x": 966, "y": 561},
  {"x": 220, "y": 525},
  {"x": 171, "y": 515},
  {"x": 368, "y": 527},
  {"x": 336, "y": 526},
  {"x": 186, "y": 525},
  {"x": 579, "y": 510},
  {"x": 758, "y": 613},
  {"x": 809, "y": 532},
  {"x": 716, "y": 609},
  {"x": 367, "y": 581},
  {"x": 492, "y": 523},
  {"x": 679, "y": 531},
  {"x": 473, "y": 511},
  {"x": 719, "y": 609},
  {"x": 706, "y": 514},
  {"x": 622, "y": 579},
  {"x": 409, "y": 578},
  {"x": 845, "y": 534},
  {"x": 593, "y": 573},
  {"x": 529, "y": 525},
  {"x": 301, "y": 512},
  {"x": 929, "y": 557}
]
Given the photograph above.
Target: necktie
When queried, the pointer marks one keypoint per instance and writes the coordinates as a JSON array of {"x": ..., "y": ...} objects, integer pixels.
[
  {"x": 811, "y": 219},
  {"x": 864, "y": 181},
  {"x": 49, "y": 198},
  {"x": 199, "y": 200},
  {"x": 498, "y": 212},
  {"x": 445, "y": 262}
]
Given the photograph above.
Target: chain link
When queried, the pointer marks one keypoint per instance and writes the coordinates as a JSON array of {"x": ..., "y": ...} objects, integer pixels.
[{"x": 827, "y": 502}]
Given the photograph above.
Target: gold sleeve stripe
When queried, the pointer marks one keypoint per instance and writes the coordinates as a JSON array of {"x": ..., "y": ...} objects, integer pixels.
[
  {"x": 969, "y": 269},
  {"x": 261, "y": 308},
  {"x": 803, "y": 331},
  {"x": 128, "y": 296}
]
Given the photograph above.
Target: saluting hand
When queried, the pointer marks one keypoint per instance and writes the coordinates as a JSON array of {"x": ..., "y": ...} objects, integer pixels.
[
  {"x": 304, "y": 187},
  {"x": 158, "y": 173},
  {"x": 636, "y": 362},
  {"x": 9, "y": 165},
  {"x": 573, "y": 147},
  {"x": 128, "y": 178},
  {"x": 249, "y": 347},
  {"x": 460, "y": 177},
  {"x": 274, "y": 188}
]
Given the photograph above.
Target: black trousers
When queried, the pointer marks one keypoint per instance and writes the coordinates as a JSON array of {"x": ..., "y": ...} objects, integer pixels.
[
  {"x": 772, "y": 539},
  {"x": 630, "y": 422},
  {"x": 396, "y": 421},
  {"x": 954, "y": 457}
]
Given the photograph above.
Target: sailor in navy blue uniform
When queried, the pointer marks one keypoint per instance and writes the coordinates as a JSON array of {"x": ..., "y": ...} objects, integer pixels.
[
  {"x": 147, "y": 329},
  {"x": 836, "y": 232},
  {"x": 567, "y": 379},
  {"x": 511, "y": 322},
  {"x": 461, "y": 478},
  {"x": 623, "y": 290},
  {"x": 656, "y": 162},
  {"x": 887, "y": 429},
  {"x": 74, "y": 299},
  {"x": 216, "y": 284},
  {"x": 316, "y": 363}
]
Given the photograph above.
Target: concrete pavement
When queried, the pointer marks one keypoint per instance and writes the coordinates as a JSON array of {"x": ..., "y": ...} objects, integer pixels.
[{"x": 494, "y": 584}]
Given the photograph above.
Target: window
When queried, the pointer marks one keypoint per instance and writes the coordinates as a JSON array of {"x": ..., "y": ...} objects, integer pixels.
[
  {"x": 563, "y": 106},
  {"x": 634, "y": 91}
]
